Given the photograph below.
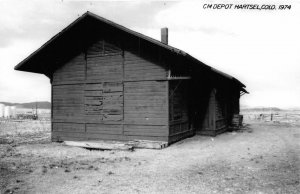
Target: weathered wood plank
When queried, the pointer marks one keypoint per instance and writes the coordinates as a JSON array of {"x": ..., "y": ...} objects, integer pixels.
[
  {"x": 102, "y": 145},
  {"x": 148, "y": 144},
  {"x": 99, "y": 119},
  {"x": 67, "y": 102},
  {"x": 145, "y": 115},
  {"x": 145, "y": 69},
  {"x": 104, "y": 129},
  {"x": 146, "y": 121},
  {"x": 141, "y": 137},
  {"x": 68, "y": 127},
  {"x": 145, "y": 130},
  {"x": 105, "y": 68},
  {"x": 72, "y": 71},
  {"x": 143, "y": 101},
  {"x": 97, "y": 136},
  {"x": 102, "y": 48},
  {"x": 72, "y": 134}
]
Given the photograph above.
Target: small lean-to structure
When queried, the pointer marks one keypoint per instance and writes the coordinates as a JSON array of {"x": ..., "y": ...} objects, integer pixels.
[{"x": 111, "y": 83}]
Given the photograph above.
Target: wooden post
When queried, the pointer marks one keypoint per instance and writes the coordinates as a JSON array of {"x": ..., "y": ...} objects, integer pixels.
[{"x": 271, "y": 116}]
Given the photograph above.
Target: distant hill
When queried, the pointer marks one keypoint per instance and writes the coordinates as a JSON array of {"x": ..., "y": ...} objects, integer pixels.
[
  {"x": 261, "y": 109},
  {"x": 30, "y": 105}
]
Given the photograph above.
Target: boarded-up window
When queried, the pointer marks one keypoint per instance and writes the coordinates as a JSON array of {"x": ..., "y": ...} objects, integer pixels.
[{"x": 104, "y": 100}]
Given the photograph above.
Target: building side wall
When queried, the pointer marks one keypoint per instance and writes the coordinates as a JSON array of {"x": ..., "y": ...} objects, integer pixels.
[
  {"x": 178, "y": 110},
  {"x": 145, "y": 110}
]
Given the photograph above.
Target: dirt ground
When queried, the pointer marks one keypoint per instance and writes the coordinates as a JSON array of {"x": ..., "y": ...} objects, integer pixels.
[{"x": 264, "y": 157}]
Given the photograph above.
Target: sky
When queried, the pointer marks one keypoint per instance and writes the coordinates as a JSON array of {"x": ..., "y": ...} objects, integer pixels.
[{"x": 261, "y": 48}]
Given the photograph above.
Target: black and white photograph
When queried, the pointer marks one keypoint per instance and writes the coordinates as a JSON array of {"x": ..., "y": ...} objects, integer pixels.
[{"x": 150, "y": 96}]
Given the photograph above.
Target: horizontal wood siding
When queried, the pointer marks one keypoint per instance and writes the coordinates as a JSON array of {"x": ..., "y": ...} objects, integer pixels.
[
  {"x": 67, "y": 131},
  {"x": 68, "y": 103},
  {"x": 145, "y": 109},
  {"x": 104, "y": 69},
  {"x": 104, "y": 63},
  {"x": 71, "y": 72},
  {"x": 138, "y": 68},
  {"x": 110, "y": 95},
  {"x": 104, "y": 132},
  {"x": 146, "y": 130},
  {"x": 82, "y": 131},
  {"x": 145, "y": 103},
  {"x": 104, "y": 129},
  {"x": 68, "y": 100}
]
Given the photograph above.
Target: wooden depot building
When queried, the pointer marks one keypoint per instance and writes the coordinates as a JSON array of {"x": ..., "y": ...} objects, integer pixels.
[{"x": 111, "y": 83}]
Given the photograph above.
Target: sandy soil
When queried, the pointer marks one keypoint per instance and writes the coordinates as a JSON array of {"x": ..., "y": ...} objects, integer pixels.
[{"x": 261, "y": 158}]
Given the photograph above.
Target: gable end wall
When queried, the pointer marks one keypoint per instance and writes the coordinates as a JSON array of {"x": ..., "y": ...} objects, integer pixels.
[{"x": 107, "y": 93}]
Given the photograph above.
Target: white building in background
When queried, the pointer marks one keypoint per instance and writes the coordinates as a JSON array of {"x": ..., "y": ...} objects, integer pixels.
[
  {"x": 2, "y": 110},
  {"x": 13, "y": 112},
  {"x": 7, "y": 111},
  {"x": 32, "y": 111}
]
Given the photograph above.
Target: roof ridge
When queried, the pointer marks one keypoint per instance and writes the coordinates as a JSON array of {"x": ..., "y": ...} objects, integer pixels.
[{"x": 123, "y": 28}]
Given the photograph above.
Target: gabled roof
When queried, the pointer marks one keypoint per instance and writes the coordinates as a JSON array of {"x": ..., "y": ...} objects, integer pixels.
[{"x": 33, "y": 61}]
